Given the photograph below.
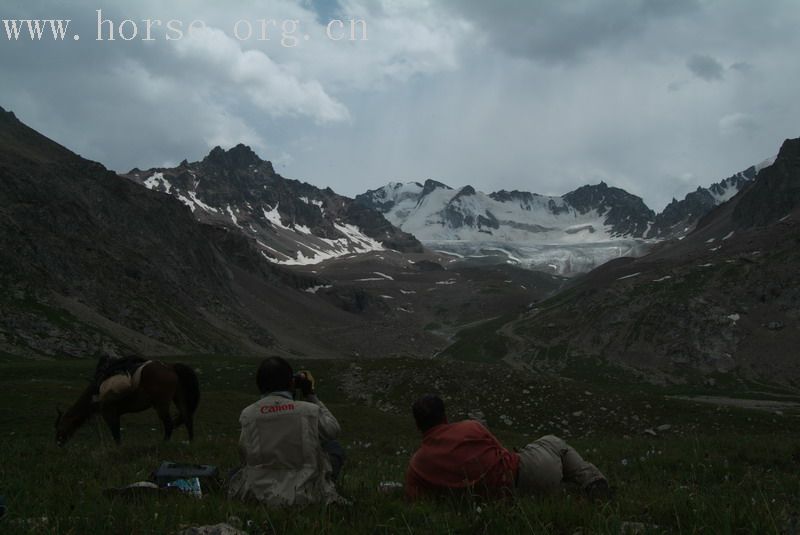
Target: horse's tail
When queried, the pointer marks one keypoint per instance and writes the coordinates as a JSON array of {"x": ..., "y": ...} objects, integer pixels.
[{"x": 188, "y": 397}]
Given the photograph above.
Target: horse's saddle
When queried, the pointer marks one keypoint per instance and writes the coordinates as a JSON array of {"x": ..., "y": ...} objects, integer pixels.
[{"x": 120, "y": 385}]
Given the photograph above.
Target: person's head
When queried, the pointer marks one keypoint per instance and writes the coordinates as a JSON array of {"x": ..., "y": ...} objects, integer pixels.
[
  {"x": 429, "y": 412},
  {"x": 274, "y": 374}
]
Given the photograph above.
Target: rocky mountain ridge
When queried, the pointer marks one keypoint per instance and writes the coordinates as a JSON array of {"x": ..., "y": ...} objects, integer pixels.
[
  {"x": 290, "y": 222},
  {"x": 567, "y": 234},
  {"x": 680, "y": 217}
]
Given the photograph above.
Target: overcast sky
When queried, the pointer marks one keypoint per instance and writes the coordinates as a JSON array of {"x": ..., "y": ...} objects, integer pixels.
[{"x": 654, "y": 96}]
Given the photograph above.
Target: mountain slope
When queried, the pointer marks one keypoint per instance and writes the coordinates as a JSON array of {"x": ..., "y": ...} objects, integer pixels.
[
  {"x": 721, "y": 304},
  {"x": 91, "y": 262},
  {"x": 76, "y": 238},
  {"x": 291, "y": 222}
]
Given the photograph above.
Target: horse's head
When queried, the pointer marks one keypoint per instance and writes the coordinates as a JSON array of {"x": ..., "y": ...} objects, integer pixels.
[
  {"x": 83, "y": 409},
  {"x": 61, "y": 435},
  {"x": 66, "y": 425}
]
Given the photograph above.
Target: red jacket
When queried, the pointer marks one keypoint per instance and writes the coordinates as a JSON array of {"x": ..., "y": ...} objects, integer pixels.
[{"x": 458, "y": 456}]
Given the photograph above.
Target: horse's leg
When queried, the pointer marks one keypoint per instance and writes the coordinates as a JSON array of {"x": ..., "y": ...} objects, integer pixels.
[
  {"x": 163, "y": 412},
  {"x": 190, "y": 426},
  {"x": 111, "y": 417},
  {"x": 188, "y": 419},
  {"x": 184, "y": 417}
]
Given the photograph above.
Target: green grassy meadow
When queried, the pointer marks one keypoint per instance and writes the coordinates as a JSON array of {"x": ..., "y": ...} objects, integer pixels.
[{"x": 715, "y": 470}]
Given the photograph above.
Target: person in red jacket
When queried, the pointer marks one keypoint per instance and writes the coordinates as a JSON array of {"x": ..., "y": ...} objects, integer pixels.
[{"x": 466, "y": 456}]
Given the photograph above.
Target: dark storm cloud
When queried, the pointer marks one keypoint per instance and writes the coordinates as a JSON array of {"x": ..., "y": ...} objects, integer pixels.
[
  {"x": 705, "y": 67},
  {"x": 743, "y": 67},
  {"x": 537, "y": 95},
  {"x": 564, "y": 32}
]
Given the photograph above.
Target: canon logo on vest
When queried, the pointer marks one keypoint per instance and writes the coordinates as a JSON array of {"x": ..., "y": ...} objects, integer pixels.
[{"x": 268, "y": 409}]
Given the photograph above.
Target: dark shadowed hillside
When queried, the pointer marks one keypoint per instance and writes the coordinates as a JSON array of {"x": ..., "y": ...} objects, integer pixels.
[
  {"x": 721, "y": 304},
  {"x": 90, "y": 262}
]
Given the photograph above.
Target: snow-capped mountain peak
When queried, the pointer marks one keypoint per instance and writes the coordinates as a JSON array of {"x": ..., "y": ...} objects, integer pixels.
[
  {"x": 568, "y": 233},
  {"x": 291, "y": 222},
  {"x": 435, "y": 211},
  {"x": 466, "y": 220}
]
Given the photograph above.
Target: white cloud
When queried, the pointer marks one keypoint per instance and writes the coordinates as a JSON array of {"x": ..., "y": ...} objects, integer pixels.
[
  {"x": 405, "y": 40},
  {"x": 264, "y": 83},
  {"x": 737, "y": 123}
]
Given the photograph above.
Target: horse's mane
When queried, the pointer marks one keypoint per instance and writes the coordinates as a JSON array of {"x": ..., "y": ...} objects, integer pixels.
[{"x": 84, "y": 406}]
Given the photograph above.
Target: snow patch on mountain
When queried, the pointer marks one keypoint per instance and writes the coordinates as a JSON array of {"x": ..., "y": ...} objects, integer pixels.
[
  {"x": 558, "y": 259},
  {"x": 197, "y": 202},
  {"x": 274, "y": 216},
  {"x": 158, "y": 182},
  {"x": 354, "y": 242},
  {"x": 766, "y": 163},
  {"x": 315, "y": 289},
  {"x": 233, "y": 216},
  {"x": 303, "y": 229},
  {"x": 724, "y": 190}
]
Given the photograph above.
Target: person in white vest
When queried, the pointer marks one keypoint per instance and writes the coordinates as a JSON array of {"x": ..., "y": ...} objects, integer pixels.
[{"x": 288, "y": 447}]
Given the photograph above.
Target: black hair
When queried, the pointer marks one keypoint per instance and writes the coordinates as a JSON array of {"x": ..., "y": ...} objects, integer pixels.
[
  {"x": 428, "y": 412},
  {"x": 274, "y": 374}
]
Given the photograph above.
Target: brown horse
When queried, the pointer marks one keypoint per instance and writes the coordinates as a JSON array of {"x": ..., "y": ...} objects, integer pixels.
[{"x": 160, "y": 385}]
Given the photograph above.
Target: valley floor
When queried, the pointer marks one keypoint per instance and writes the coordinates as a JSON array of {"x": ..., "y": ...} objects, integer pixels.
[{"x": 708, "y": 469}]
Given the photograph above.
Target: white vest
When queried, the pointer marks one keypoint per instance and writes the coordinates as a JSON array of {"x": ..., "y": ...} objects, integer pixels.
[{"x": 280, "y": 446}]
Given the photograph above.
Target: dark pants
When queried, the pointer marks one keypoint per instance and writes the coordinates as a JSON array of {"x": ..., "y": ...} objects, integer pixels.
[{"x": 336, "y": 455}]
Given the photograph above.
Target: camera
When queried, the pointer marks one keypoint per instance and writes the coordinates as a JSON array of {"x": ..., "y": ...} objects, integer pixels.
[{"x": 304, "y": 381}]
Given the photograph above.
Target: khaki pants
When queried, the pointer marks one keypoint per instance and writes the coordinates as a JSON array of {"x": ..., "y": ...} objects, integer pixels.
[{"x": 545, "y": 463}]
